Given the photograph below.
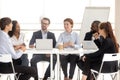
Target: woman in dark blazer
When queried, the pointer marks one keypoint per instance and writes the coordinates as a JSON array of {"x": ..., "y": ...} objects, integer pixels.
[{"x": 106, "y": 43}]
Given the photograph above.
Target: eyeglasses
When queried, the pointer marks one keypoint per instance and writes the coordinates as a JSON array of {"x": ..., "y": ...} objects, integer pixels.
[{"x": 45, "y": 23}]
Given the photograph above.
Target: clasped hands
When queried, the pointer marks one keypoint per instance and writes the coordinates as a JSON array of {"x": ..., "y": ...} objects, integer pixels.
[
  {"x": 68, "y": 44},
  {"x": 20, "y": 47}
]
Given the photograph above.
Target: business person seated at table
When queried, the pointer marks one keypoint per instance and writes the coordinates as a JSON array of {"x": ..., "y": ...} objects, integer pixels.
[
  {"x": 6, "y": 47},
  {"x": 43, "y": 34},
  {"x": 17, "y": 39},
  {"x": 106, "y": 43},
  {"x": 90, "y": 35},
  {"x": 93, "y": 29},
  {"x": 70, "y": 40}
]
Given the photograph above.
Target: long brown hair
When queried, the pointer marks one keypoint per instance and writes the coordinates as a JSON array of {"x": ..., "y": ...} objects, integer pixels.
[
  {"x": 11, "y": 33},
  {"x": 108, "y": 29}
]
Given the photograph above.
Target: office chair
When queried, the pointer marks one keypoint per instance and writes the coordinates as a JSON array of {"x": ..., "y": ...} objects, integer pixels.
[
  {"x": 114, "y": 60},
  {"x": 6, "y": 58}
]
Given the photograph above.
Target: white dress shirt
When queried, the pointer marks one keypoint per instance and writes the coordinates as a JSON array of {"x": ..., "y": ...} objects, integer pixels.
[
  {"x": 18, "y": 41},
  {"x": 44, "y": 34},
  {"x": 6, "y": 46}
]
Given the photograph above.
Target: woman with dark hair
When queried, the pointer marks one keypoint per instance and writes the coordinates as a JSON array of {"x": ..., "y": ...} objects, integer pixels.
[
  {"x": 106, "y": 43},
  {"x": 17, "y": 39},
  {"x": 70, "y": 40},
  {"x": 6, "y": 47},
  {"x": 94, "y": 29}
]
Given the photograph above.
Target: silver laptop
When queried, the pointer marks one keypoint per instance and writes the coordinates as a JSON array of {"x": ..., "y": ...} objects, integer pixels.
[
  {"x": 89, "y": 45},
  {"x": 44, "y": 44}
]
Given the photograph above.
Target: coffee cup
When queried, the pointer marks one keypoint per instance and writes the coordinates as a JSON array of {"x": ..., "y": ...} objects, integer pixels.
[{"x": 60, "y": 46}]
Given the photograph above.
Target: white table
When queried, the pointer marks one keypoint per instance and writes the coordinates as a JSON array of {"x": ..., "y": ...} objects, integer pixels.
[
  {"x": 35, "y": 51},
  {"x": 79, "y": 52},
  {"x": 58, "y": 52}
]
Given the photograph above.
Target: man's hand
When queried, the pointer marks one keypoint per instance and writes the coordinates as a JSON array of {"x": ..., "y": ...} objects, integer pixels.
[
  {"x": 47, "y": 55},
  {"x": 83, "y": 58},
  {"x": 31, "y": 46}
]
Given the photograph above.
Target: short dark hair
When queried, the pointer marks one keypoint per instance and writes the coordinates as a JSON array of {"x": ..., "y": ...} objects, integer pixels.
[
  {"x": 94, "y": 26},
  {"x": 45, "y": 18},
  {"x": 4, "y": 21}
]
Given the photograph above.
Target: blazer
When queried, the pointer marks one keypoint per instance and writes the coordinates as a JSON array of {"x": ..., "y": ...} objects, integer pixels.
[
  {"x": 88, "y": 36},
  {"x": 105, "y": 46},
  {"x": 38, "y": 35}
]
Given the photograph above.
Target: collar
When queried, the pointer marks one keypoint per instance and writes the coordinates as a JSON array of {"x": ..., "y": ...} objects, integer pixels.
[
  {"x": 6, "y": 34},
  {"x": 44, "y": 32},
  {"x": 68, "y": 32}
]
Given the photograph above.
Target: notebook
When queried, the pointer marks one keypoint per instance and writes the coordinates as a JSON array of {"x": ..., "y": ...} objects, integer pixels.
[
  {"x": 89, "y": 45},
  {"x": 44, "y": 44}
]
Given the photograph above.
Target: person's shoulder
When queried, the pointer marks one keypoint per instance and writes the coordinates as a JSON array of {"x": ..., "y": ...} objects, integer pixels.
[
  {"x": 36, "y": 32},
  {"x": 63, "y": 33},
  {"x": 87, "y": 33},
  {"x": 109, "y": 41},
  {"x": 74, "y": 32},
  {"x": 49, "y": 32}
]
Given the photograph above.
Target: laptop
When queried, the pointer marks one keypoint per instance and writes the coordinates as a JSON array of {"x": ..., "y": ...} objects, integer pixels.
[
  {"x": 44, "y": 44},
  {"x": 89, "y": 45}
]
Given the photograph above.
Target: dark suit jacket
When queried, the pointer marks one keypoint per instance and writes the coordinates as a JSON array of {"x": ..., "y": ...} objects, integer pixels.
[
  {"x": 105, "y": 46},
  {"x": 88, "y": 36},
  {"x": 38, "y": 35}
]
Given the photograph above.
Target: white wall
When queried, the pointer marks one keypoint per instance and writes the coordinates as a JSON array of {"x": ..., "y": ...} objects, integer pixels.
[
  {"x": 117, "y": 24},
  {"x": 117, "y": 19}
]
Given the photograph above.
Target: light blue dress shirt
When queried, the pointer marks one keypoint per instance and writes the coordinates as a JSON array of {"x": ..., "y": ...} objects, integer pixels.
[
  {"x": 66, "y": 37},
  {"x": 6, "y": 46}
]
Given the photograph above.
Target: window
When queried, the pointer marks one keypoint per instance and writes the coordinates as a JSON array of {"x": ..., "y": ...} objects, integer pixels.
[{"x": 29, "y": 12}]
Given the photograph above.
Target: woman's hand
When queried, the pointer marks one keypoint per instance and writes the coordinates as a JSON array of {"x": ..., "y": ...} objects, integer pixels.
[
  {"x": 20, "y": 47},
  {"x": 47, "y": 55},
  {"x": 83, "y": 58},
  {"x": 17, "y": 47},
  {"x": 31, "y": 46},
  {"x": 68, "y": 44},
  {"x": 96, "y": 35},
  {"x": 23, "y": 48},
  {"x": 71, "y": 43}
]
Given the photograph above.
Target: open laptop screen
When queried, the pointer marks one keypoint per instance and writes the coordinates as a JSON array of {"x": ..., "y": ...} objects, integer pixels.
[{"x": 89, "y": 45}]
